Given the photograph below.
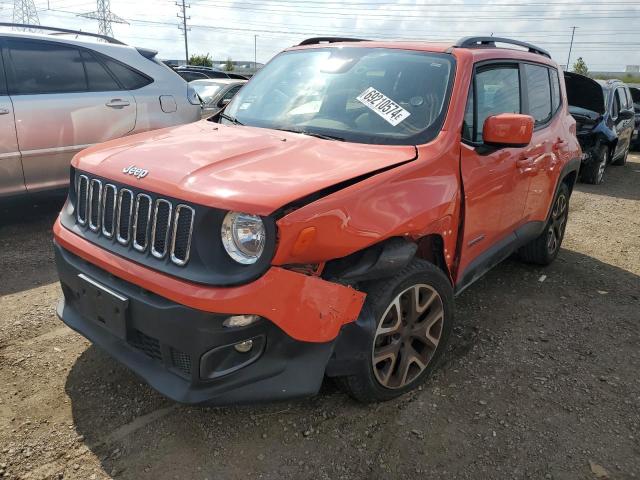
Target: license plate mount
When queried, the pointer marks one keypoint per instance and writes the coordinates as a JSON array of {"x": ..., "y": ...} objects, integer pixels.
[{"x": 103, "y": 306}]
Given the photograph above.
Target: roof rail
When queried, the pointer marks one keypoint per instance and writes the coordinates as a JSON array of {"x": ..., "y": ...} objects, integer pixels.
[
  {"x": 63, "y": 30},
  {"x": 479, "y": 42},
  {"x": 317, "y": 40}
]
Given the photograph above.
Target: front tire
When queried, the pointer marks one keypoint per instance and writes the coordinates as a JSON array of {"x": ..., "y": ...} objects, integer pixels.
[
  {"x": 544, "y": 249},
  {"x": 409, "y": 319}
]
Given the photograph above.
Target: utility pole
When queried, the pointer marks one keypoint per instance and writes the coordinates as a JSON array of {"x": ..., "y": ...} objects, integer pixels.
[
  {"x": 573, "y": 31},
  {"x": 24, "y": 11},
  {"x": 255, "y": 51},
  {"x": 105, "y": 17},
  {"x": 183, "y": 27}
]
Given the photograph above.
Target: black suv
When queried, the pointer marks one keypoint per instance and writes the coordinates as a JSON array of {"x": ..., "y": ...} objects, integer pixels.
[{"x": 603, "y": 110}]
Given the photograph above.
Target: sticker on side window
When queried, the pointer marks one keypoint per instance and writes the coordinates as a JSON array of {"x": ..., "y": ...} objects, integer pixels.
[{"x": 383, "y": 106}]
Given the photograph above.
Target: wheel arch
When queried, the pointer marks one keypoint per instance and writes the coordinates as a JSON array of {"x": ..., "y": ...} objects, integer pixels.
[{"x": 386, "y": 258}]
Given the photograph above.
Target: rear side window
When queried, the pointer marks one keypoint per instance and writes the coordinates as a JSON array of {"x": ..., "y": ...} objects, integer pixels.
[
  {"x": 497, "y": 90},
  {"x": 98, "y": 79},
  {"x": 538, "y": 92},
  {"x": 616, "y": 103},
  {"x": 555, "y": 89},
  {"x": 129, "y": 78},
  {"x": 38, "y": 67}
]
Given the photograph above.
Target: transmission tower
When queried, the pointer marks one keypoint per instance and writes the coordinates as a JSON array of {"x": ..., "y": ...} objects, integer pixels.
[
  {"x": 24, "y": 12},
  {"x": 105, "y": 17}
]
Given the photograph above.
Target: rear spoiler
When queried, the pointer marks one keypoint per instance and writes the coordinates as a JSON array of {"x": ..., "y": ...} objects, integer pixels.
[{"x": 147, "y": 52}]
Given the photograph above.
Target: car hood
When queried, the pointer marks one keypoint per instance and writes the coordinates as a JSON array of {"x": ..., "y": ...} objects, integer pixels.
[
  {"x": 584, "y": 92},
  {"x": 250, "y": 169}
]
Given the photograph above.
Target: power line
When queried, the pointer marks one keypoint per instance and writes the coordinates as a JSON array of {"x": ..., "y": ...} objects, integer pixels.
[
  {"x": 24, "y": 12},
  {"x": 105, "y": 17}
]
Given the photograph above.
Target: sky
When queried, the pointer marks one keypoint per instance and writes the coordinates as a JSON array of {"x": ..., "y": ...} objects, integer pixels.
[{"x": 606, "y": 34}]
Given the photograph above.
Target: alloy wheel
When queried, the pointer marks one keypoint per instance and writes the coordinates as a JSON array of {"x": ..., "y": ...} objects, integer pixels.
[
  {"x": 407, "y": 336},
  {"x": 557, "y": 224}
]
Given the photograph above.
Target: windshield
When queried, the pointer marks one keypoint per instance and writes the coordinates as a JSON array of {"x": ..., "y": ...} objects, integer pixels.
[
  {"x": 366, "y": 95},
  {"x": 206, "y": 91}
]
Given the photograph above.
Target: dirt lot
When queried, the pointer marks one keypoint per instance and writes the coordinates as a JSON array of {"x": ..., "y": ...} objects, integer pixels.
[{"x": 541, "y": 381}]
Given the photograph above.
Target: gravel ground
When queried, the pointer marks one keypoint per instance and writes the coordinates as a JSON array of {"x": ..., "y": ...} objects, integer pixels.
[{"x": 541, "y": 380}]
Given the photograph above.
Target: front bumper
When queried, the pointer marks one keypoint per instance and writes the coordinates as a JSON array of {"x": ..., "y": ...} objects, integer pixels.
[
  {"x": 184, "y": 353},
  {"x": 306, "y": 308}
]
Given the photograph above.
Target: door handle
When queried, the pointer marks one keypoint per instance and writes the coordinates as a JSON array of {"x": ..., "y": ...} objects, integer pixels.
[
  {"x": 4, "y": 111},
  {"x": 117, "y": 103}
]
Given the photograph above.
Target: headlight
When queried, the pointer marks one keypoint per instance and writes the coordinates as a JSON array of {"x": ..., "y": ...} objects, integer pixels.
[{"x": 243, "y": 237}]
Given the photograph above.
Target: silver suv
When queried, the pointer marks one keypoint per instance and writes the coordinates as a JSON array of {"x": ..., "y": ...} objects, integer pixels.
[{"x": 60, "y": 95}]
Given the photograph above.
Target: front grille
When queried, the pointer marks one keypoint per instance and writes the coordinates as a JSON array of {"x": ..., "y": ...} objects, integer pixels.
[
  {"x": 148, "y": 345},
  {"x": 158, "y": 226}
]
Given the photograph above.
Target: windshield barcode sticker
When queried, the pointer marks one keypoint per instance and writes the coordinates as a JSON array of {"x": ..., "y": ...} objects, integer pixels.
[{"x": 383, "y": 106}]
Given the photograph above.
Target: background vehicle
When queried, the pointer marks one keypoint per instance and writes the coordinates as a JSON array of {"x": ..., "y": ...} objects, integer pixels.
[
  {"x": 604, "y": 115},
  {"x": 216, "y": 94},
  {"x": 635, "y": 95},
  {"x": 324, "y": 223},
  {"x": 60, "y": 95},
  {"x": 209, "y": 72}
]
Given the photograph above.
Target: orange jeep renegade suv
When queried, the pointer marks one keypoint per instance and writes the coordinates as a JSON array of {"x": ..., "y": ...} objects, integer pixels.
[{"x": 322, "y": 224}]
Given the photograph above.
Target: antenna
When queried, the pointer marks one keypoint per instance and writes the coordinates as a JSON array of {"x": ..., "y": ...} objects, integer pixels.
[
  {"x": 105, "y": 17},
  {"x": 24, "y": 12}
]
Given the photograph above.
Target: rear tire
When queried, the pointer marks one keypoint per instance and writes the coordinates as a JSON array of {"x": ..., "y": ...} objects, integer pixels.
[
  {"x": 593, "y": 171},
  {"x": 544, "y": 249},
  {"x": 408, "y": 318}
]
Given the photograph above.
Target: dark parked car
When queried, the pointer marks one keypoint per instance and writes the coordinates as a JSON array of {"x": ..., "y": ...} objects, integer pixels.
[
  {"x": 190, "y": 75},
  {"x": 635, "y": 139},
  {"x": 603, "y": 110},
  {"x": 209, "y": 72}
]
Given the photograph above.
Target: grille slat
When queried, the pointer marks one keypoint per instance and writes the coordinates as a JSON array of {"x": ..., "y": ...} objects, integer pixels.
[
  {"x": 125, "y": 208},
  {"x": 159, "y": 227},
  {"x": 95, "y": 201},
  {"x": 182, "y": 233},
  {"x": 108, "y": 210},
  {"x": 83, "y": 197},
  {"x": 141, "y": 222}
]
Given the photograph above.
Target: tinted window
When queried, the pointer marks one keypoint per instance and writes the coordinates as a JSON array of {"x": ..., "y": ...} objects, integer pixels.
[
  {"x": 555, "y": 89},
  {"x": 129, "y": 78},
  {"x": 539, "y": 93},
  {"x": 38, "y": 67},
  {"x": 497, "y": 91},
  {"x": 98, "y": 78}
]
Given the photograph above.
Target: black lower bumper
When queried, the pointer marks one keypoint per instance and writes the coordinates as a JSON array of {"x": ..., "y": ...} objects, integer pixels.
[{"x": 183, "y": 353}]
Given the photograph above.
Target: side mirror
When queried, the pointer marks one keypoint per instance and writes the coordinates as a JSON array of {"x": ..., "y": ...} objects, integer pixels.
[
  {"x": 224, "y": 102},
  {"x": 508, "y": 130},
  {"x": 626, "y": 114}
]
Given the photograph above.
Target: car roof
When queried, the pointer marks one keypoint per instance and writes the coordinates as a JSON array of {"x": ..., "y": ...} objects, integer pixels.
[
  {"x": 62, "y": 37},
  {"x": 478, "y": 53}
]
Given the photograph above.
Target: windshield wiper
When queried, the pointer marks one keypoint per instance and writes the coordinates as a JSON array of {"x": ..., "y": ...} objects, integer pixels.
[
  {"x": 312, "y": 134},
  {"x": 233, "y": 120}
]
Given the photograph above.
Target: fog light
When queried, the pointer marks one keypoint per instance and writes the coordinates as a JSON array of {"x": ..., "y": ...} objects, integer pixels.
[
  {"x": 240, "y": 320},
  {"x": 244, "y": 347}
]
